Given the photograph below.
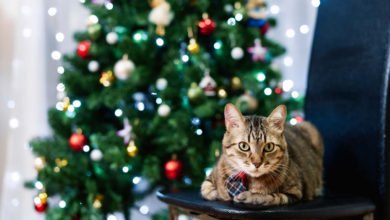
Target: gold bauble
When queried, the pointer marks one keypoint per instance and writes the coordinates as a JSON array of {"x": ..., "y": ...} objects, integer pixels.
[
  {"x": 107, "y": 78},
  {"x": 236, "y": 83},
  {"x": 43, "y": 197},
  {"x": 66, "y": 103},
  {"x": 194, "y": 92},
  {"x": 61, "y": 163},
  {"x": 97, "y": 204},
  {"x": 193, "y": 46},
  {"x": 132, "y": 150}
]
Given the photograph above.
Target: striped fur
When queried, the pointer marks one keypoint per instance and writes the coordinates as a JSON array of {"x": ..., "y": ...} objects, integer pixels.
[{"x": 283, "y": 164}]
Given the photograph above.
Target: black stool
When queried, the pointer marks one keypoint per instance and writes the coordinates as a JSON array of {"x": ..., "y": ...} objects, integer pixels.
[{"x": 347, "y": 99}]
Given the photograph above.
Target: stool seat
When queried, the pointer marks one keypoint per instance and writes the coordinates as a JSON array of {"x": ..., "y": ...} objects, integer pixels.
[{"x": 326, "y": 207}]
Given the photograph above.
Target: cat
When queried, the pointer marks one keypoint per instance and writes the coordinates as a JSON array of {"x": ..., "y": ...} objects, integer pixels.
[{"x": 265, "y": 161}]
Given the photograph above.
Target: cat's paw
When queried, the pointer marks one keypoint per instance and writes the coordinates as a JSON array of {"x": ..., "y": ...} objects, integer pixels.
[
  {"x": 244, "y": 197},
  {"x": 208, "y": 191}
]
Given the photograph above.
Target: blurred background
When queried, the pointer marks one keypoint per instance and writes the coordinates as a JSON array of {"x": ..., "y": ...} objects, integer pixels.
[{"x": 35, "y": 35}]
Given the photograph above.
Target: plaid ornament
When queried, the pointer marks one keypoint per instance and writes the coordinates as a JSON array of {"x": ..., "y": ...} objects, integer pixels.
[{"x": 236, "y": 183}]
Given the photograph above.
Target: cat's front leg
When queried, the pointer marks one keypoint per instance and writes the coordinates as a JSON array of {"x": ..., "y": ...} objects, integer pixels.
[{"x": 262, "y": 199}]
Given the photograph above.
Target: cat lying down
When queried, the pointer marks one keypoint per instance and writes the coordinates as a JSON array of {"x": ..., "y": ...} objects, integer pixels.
[{"x": 266, "y": 161}]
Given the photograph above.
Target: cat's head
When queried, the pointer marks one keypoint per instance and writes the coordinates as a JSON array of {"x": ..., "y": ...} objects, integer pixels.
[{"x": 255, "y": 144}]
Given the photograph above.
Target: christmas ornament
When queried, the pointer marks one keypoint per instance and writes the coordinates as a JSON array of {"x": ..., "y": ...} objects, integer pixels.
[
  {"x": 77, "y": 141},
  {"x": 237, "y": 53},
  {"x": 97, "y": 202},
  {"x": 208, "y": 85},
  {"x": 236, "y": 83},
  {"x": 96, "y": 155},
  {"x": 256, "y": 12},
  {"x": 93, "y": 66},
  {"x": 161, "y": 84},
  {"x": 247, "y": 102},
  {"x": 121, "y": 32},
  {"x": 92, "y": 19},
  {"x": 278, "y": 90},
  {"x": 265, "y": 28},
  {"x": 61, "y": 162},
  {"x": 123, "y": 68},
  {"x": 112, "y": 38},
  {"x": 164, "y": 110},
  {"x": 194, "y": 92},
  {"x": 65, "y": 103},
  {"x": 173, "y": 168},
  {"x": 206, "y": 25},
  {"x": 126, "y": 132},
  {"x": 193, "y": 46},
  {"x": 94, "y": 31},
  {"x": 106, "y": 78},
  {"x": 258, "y": 51},
  {"x": 40, "y": 202},
  {"x": 160, "y": 15},
  {"x": 132, "y": 150},
  {"x": 83, "y": 48},
  {"x": 236, "y": 183},
  {"x": 39, "y": 163},
  {"x": 222, "y": 93}
]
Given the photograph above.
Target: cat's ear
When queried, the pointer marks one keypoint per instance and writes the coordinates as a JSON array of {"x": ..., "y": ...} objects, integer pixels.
[
  {"x": 277, "y": 118},
  {"x": 233, "y": 117}
]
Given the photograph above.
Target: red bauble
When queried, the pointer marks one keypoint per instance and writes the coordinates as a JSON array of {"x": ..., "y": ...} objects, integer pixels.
[
  {"x": 77, "y": 141},
  {"x": 173, "y": 169},
  {"x": 278, "y": 90},
  {"x": 265, "y": 28},
  {"x": 40, "y": 207},
  {"x": 83, "y": 48},
  {"x": 206, "y": 26}
]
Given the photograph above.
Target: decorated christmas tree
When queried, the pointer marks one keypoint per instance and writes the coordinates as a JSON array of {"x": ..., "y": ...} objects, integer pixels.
[{"x": 143, "y": 97}]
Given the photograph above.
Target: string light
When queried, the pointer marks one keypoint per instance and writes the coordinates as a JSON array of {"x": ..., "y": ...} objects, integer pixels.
[
  {"x": 38, "y": 185},
  {"x": 158, "y": 101},
  {"x": 288, "y": 85},
  {"x": 199, "y": 131},
  {"x": 92, "y": 19},
  {"x": 185, "y": 58},
  {"x": 125, "y": 169},
  {"x": 274, "y": 9},
  {"x": 60, "y": 87},
  {"x": 52, "y": 11},
  {"x": 136, "y": 180},
  {"x": 86, "y": 148},
  {"x": 118, "y": 112},
  {"x": 238, "y": 17},
  {"x": 108, "y": 5},
  {"x": 56, "y": 55},
  {"x": 304, "y": 29},
  {"x": 231, "y": 21},
  {"x": 290, "y": 33},
  {"x": 217, "y": 45},
  {"x": 295, "y": 94},
  {"x": 288, "y": 61},
  {"x": 144, "y": 210},
  {"x": 62, "y": 204},
  {"x": 60, "y": 70},
  {"x": 60, "y": 37},
  {"x": 315, "y": 3},
  {"x": 267, "y": 91},
  {"x": 260, "y": 77},
  {"x": 111, "y": 217},
  {"x": 293, "y": 121},
  {"x": 160, "y": 42},
  {"x": 76, "y": 103},
  {"x": 13, "y": 123},
  {"x": 140, "y": 106}
]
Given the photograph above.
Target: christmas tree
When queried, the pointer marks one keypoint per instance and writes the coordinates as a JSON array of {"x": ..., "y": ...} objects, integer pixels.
[{"x": 143, "y": 99}]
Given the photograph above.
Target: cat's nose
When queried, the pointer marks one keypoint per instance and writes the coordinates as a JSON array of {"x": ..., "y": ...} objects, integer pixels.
[{"x": 257, "y": 165}]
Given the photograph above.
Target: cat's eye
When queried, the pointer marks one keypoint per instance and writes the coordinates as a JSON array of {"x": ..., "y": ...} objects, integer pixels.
[
  {"x": 269, "y": 147},
  {"x": 243, "y": 146}
]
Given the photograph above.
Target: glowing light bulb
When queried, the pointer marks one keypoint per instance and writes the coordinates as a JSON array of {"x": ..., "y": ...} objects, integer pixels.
[
  {"x": 136, "y": 180},
  {"x": 60, "y": 70},
  {"x": 267, "y": 91},
  {"x": 118, "y": 112},
  {"x": 185, "y": 58},
  {"x": 304, "y": 29},
  {"x": 160, "y": 42},
  {"x": 295, "y": 94},
  {"x": 62, "y": 204},
  {"x": 199, "y": 131},
  {"x": 275, "y": 9},
  {"x": 60, "y": 37},
  {"x": 231, "y": 21},
  {"x": 144, "y": 210},
  {"x": 260, "y": 77},
  {"x": 13, "y": 123},
  {"x": 288, "y": 85},
  {"x": 290, "y": 33},
  {"x": 56, "y": 55},
  {"x": 315, "y": 3},
  {"x": 52, "y": 11}
]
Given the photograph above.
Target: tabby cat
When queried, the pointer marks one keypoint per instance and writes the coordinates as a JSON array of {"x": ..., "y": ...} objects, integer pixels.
[{"x": 266, "y": 161}]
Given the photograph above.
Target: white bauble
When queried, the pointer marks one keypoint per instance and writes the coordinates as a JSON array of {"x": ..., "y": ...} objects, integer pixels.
[
  {"x": 123, "y": 68},
  {"x": 237, "y": 53},
  {"x": 93, "y": 66},
  {"x": 161, "y": 84},
  {"x": 112, "y": 38},
  {"x": 164, "y": 110},
  {"x": 96, "y": 155}
]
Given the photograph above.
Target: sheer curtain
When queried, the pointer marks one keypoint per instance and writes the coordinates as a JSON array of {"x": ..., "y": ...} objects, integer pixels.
[{"x": 28, "y": 79}]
